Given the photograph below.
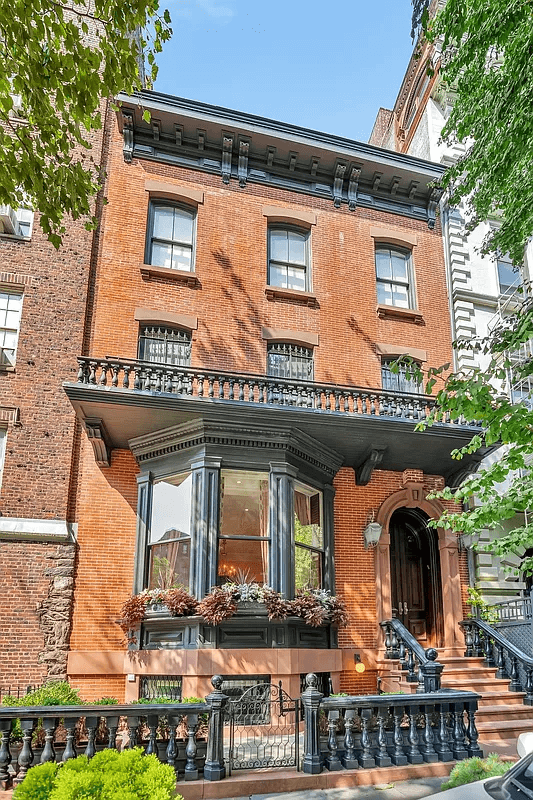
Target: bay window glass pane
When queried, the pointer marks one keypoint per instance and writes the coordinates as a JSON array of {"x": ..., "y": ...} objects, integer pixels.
[
  {"x": 170, "y": 531},
  {"x": 163, "y": 223},
  {"x": 307, "y": 569},
  {"x": 243, "y": 546},
  {"x": 308, "y": 537}
]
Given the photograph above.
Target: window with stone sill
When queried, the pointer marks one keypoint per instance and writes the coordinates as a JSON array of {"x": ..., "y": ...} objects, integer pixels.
[
  {"x": 394, "y": 278},
  {"x": 10, "y": 314},
  {"x": 169, "y": 546},
  {"x": 162, "y": 345},
  {"x": 171, "y": 235},
  {"x": 398, "y": 381},
  {"x": 288, "y": 258}
]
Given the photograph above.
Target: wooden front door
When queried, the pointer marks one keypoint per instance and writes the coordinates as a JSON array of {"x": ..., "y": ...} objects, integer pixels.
[{"x": 411, "y": 575}]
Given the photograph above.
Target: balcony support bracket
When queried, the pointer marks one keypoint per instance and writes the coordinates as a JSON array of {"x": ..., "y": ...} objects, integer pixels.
[
  {"x": 99, "y": 439},
  {"x": 363, "y": 473}
]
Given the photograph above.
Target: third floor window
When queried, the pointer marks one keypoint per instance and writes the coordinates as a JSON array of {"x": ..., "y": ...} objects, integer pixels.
[
  {"x": 170, "y": 241},
  {"x": 288, "y": 259},
  {"x": 394, "y": 277}
]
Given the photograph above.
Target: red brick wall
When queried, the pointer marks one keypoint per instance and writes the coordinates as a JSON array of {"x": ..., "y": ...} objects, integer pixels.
[{"x": 231, "y": 258}]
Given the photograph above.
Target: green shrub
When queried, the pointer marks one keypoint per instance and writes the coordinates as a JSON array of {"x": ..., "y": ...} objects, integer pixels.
[
  {"x": 105, "y": 701},
  {"x": 52, "y": 693},
  {"x": 475, "y": 769},
  {"x": 129, "y": 775}
]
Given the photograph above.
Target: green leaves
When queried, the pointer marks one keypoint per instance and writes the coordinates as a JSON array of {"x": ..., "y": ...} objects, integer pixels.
[{"x": 63, "y": 64}]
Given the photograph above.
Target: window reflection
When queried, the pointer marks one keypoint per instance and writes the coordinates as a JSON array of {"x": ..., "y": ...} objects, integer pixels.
[
  {"x": 170, "y": 532},
  {"x": 308, "y": 537}
]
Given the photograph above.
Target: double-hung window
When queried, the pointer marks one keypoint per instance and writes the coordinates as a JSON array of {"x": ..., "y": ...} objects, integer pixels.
[
  {"x": 165, "y": 345},
  {"x": 394, "y": 277},
  {"x": 397, "y": 381},
  {"x": 290, "y": 361},
  {"x": 288, "y": 258},
  {"x": 10, "y": 313},
  {"x": 170, "y": 241},
  {"x": 508, "y": 275}
]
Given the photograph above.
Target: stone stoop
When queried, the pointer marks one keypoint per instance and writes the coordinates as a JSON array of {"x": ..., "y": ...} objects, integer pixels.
[{"x": 501, "y": 716}]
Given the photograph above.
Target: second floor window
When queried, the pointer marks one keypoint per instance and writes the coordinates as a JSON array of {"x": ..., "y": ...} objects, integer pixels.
[
  {"x": 165, "y": 345},
  {"x": 397, "y": 381},
  {"x": 290, "y": 361},
  {"x": 288, "y": 259},
  {"x": 10, "y": 313},
  {"x": 508, "y": 275},
  {"x": 394, "y": 277},
  {"x": 170, "y": 237}
]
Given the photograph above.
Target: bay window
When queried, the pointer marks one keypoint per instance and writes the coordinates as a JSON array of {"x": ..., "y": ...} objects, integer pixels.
[{"x": 169, "y": 547}]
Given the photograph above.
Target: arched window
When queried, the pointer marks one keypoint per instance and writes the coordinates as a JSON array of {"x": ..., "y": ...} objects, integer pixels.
[
  {"x": 170, "y": 240},
  {"x": 394, "y": 278}
]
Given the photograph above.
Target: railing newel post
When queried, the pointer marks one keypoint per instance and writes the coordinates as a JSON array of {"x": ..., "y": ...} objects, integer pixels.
[
  {"x": 311, "y": 699},
  {"x": 215, "y": 769}
]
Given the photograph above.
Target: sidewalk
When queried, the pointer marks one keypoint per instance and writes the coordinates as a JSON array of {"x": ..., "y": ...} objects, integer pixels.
[{"x": 403, "y": 790}]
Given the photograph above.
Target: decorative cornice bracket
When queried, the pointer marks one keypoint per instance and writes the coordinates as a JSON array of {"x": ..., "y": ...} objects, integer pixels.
[
  {"x": 127, "y": 132},
  {"x": 99, "y": 439},
  {"x": 242, "y": 169},
  {"x": 227, "y": 150},
  {"x": 433, "y": 202},
  {"x": 353, "y": 187},
  {"x": 363, "y": 473},
  {"x": 338, "y": 182}
]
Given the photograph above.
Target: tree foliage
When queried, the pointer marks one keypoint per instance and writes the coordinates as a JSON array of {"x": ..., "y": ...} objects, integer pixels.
[
  {"x": 486, "y": 61},
  {"x": 486, "y": 48},
  {"x": 59, "y": 62}
]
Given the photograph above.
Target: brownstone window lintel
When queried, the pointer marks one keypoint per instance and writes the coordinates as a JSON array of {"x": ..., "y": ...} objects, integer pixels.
[
  {"x": 277, "y": 293},
  {"x": 406, "y": 314},
  {"x": 149, "y": 271}
]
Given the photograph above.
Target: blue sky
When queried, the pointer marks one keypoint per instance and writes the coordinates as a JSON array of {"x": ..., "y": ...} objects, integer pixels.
[{"x": 327, "y": 66}]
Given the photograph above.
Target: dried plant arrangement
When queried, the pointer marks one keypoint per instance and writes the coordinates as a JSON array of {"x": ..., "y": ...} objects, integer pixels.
[{"x": 217, "y": 606}]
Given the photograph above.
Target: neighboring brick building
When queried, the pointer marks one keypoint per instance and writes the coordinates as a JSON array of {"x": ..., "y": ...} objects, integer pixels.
[
  {"x": 265, "y": 275},
  {"x": 43, "y": 294}
]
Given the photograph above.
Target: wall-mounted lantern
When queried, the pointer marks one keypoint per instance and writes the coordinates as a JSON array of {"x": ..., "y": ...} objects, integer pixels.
[{"x": 371, "y": 534}]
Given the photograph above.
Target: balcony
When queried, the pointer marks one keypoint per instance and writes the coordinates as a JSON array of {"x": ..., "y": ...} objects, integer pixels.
[{"x": 367, "y": 427}]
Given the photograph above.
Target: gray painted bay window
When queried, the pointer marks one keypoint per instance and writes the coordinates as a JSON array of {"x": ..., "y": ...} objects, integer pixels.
[
  {"x": 244, "y": 541},
  {"x": 288, "y": 258},
  {"x": 290, "y": 361},
  {"x": 394, "y": 277},
  {"x": 308, "y": 538},
  {"x": 170, "y": 240},
  {"x": 162, "y": 345},
  {"x": 169, "y": 546}
]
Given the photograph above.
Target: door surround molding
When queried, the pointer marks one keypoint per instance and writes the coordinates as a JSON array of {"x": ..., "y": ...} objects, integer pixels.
[{"x": 413, "y": 495}]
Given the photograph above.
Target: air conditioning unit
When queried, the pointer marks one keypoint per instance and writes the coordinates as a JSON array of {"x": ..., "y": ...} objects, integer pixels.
[{"x": 8, "y": 220}]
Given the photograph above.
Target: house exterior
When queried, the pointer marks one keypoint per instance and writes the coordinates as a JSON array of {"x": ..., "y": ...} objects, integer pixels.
[
  {"x": 43, "y": 294},
  {"x": 253, "y": 281},
  {"x": 482, "y": 289}
]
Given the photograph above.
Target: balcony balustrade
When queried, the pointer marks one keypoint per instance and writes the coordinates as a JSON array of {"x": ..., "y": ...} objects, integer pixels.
[{"x": 189, "y": 382}]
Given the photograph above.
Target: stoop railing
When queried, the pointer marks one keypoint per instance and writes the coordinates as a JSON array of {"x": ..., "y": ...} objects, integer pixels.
[{"x": 339, "y": 732}]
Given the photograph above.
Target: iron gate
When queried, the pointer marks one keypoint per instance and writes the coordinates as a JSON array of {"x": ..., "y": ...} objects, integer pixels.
[{"x": 264, "y": 729}]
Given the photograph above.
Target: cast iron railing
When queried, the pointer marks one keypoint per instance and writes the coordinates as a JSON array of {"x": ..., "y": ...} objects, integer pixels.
[
  {"x": 388, "y": 729},
  {"x": 257, "y": 389},
  {"x": 421, "y": 665},
  {"x": 153, "y": 726},
  {"x": 517, "y": 609},
  {"x": 511, "y": 663}
]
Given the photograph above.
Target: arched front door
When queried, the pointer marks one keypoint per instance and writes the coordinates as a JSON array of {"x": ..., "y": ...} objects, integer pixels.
[{"x": 416, "y": 589}]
